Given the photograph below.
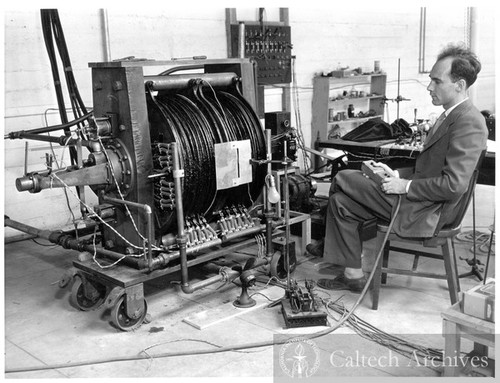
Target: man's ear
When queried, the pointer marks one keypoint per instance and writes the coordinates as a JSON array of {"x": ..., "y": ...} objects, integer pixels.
[{"x": 461, "y": 85}]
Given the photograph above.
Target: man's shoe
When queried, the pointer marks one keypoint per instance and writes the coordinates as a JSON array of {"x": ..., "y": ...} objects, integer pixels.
[
  {"x": 341, "y": 282},
  {"x": 316, "y": 250}
]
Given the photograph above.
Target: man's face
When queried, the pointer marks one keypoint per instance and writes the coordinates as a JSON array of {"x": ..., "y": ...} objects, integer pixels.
[{"x": 441, "y": 88}]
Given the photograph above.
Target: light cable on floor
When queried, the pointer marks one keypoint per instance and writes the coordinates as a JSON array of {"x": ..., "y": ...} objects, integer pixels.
[{"x": 235, "y": 347}]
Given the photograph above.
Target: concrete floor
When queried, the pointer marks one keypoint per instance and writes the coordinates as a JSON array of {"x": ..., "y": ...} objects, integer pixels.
[{"x": 42, "y": 329}]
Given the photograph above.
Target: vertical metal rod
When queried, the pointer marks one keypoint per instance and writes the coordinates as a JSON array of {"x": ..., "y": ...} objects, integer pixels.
[
  {"x": 149, "y": 214},
  {"x": 241, "y": 40},
  {"x": 474, "y": 43},
  {"x": 268, "y": 213},
  {"x": 489, "y": 253},
  {"x": 421, "y": 58},
  {"x": 287, "y": 217},
  {"x": 181, "y": 236},
  {"x": 105, "y": 35},
  {"x": 26, "y": 145},
  {"x": 399, "y": 81},
  {"x": 474, "y": 226}
]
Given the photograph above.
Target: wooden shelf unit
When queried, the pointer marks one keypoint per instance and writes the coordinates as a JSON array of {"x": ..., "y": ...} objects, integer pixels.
[{"x": 324, "y": 104}]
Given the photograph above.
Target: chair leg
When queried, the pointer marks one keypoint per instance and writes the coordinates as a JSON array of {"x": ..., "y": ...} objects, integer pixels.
[
  {"x": 450, "y": 264},
  {"x": 376, "y": 284},
  {"x": 377, "y": 277},
  {"x": 385, "y": 260}
]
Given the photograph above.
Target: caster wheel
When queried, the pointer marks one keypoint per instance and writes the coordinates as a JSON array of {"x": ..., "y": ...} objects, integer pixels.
[
  {"x": 121, "y": 320},
  {"x": 148, "y": 319},
  {"x": 278, "y": 267},
  {"x": 90, "y": 301}
]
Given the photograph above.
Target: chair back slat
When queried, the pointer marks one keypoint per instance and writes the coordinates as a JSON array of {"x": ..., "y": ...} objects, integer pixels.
[{"x": 467, "y": 197}]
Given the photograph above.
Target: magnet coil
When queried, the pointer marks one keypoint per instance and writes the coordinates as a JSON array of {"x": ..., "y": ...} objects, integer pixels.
[{"x": 196, "y": 119}]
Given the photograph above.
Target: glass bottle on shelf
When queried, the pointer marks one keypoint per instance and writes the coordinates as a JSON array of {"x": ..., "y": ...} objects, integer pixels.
[{"x": 350, "y": 111}]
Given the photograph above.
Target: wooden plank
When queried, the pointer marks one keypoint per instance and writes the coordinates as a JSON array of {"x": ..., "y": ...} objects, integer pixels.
[{"x": 226, "y": 311}]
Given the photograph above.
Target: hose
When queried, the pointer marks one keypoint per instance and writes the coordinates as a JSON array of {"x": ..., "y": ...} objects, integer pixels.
[{"x": 21, "y": 133}]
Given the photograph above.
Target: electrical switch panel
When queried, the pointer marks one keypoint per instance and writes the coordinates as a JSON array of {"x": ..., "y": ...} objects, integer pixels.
[{"x": 270, "y": 46}]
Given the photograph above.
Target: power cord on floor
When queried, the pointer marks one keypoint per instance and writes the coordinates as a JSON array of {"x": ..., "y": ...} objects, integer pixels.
[
  {"x": 243, "y": 346},
  {"x": 400, "y": 345},
  {"x": 482, "y": 240}
]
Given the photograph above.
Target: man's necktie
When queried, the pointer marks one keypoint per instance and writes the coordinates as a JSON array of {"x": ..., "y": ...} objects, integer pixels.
[{"x": 435, "y": 127}]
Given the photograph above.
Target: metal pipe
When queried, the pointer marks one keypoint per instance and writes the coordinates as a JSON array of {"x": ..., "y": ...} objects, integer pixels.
[
  {"x": 178, "y": 81},
  {"x": 94, "y": 175},
  {"x": 26, "y": 145},
  {"x": 69, "y": 242},
  {"x": 165, "y": 258},
  {"x": 149, "y": 217},
  {"x": 421, "y": 53},
  {"x": 287, "y": 217},
  {"x": 268, "y": 213},
  {"x": 191, "y": 288},
  {"x": 474, "y": 44},
  {"x": 181, "y": 235},
  {"x": 226, "y": 275},
  {"x": 180, "y": 68},
  {"x": 105, "y": 35},
  {"x": 241, "y": 233},
  {"x": 399, "y": 83},
  {"x": 241, "y": 40}
]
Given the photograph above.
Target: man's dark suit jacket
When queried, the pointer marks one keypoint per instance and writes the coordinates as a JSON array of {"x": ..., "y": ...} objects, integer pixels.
[{"x": 442, "y": 173}]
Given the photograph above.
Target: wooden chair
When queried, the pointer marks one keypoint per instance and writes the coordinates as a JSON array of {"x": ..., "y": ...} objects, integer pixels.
[{"x": 443, "y": 239}]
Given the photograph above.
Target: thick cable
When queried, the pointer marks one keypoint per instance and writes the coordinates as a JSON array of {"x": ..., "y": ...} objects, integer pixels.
[{"x": 196, "y": 120}]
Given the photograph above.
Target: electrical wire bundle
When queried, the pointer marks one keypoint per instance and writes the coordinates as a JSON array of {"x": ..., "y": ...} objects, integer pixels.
[
  {"x": 197, "y": 120},
  {"x": 53, "y": 32},
  {"x": 482, "y": 240},
  {"x": 404, "y": 347}
]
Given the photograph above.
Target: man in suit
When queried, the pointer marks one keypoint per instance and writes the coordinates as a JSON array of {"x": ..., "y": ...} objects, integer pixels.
[{"x": 429, "y": 199}]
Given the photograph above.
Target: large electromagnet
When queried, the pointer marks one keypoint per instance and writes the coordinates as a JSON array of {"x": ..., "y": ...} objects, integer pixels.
[{"x": 179, "y": 162}]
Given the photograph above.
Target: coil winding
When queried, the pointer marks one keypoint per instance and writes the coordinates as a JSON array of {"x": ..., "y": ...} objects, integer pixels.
[{"x": 196, "y": 119}]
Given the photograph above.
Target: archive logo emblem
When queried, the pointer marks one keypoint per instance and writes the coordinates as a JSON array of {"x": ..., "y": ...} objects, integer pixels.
[{"x": 299, "y": 357}]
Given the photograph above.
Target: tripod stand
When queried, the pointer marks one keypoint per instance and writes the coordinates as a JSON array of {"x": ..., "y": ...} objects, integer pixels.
[{"x": 474, "y": 262}]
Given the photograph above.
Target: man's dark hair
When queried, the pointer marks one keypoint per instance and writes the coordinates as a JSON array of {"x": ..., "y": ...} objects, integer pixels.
[{"x": 465, "y": 64}]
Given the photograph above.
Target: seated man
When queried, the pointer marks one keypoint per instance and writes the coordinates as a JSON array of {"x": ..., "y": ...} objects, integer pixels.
[{"x": 429, "y": 200}]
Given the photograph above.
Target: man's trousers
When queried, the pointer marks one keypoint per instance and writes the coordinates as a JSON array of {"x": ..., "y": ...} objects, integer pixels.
[{"x": 354, "y": 199}]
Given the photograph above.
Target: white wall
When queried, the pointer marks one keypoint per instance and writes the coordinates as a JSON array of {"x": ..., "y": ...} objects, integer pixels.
[{"x": 322, "y": 38}]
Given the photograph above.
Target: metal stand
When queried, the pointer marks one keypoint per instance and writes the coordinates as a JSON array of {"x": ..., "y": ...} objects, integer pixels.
[
  {"x": 489, "y": 251},
  {"x": 474, "y": 262}
]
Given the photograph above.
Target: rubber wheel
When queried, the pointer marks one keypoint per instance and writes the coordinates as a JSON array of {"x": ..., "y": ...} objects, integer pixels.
[
  {"x": 278, "y": 266},
  {"x": 79, "y": 300},
  {"x": 120, "y": 318}
]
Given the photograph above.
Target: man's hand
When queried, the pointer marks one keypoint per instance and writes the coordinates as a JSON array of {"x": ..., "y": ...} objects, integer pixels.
[
  {"x": 394, "y": 185},
  {"x": 386, "y": 168}
]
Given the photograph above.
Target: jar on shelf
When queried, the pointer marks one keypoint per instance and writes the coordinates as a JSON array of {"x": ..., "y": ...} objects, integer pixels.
[{"x": 350, "y": 111}]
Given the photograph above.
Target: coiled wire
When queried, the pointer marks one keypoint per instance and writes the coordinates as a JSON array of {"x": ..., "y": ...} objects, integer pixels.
[{"x": 196, "y": 119}]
